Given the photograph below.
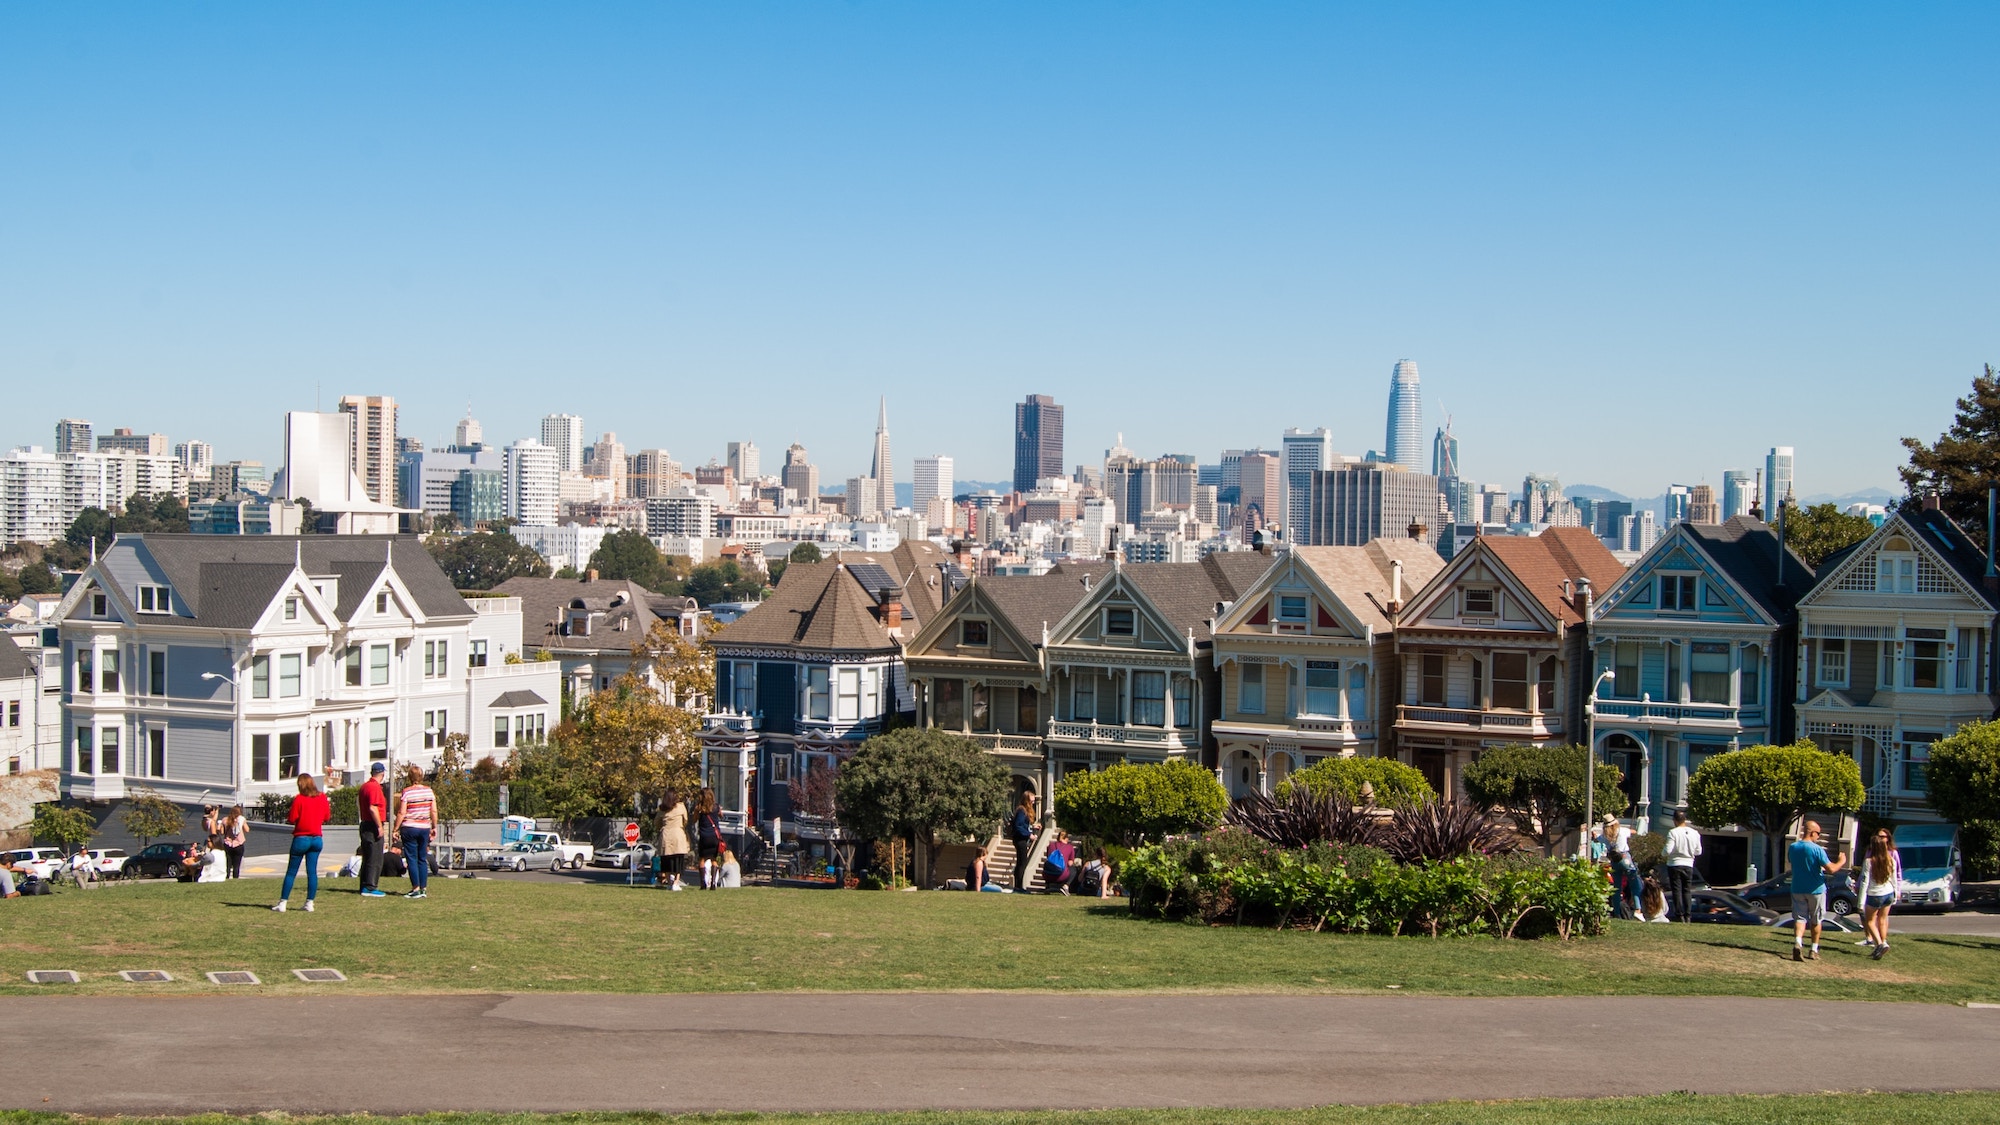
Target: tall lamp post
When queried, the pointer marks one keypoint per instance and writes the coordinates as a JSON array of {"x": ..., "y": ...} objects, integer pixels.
[{"x": 1590, "y": 762}]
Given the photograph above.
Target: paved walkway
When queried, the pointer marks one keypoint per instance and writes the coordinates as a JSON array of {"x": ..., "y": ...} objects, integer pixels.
[{"x": 327, "y": 1054}]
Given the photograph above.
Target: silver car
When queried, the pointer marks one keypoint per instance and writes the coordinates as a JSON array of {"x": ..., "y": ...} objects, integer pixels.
[{"x": 522, "y": 855}]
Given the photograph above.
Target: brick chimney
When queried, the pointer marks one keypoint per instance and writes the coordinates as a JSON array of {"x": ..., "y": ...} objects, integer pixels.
[
  {"x": 1931, "y": 501},
  {"x": 892, "y": 608},
  {"x": 590, "y": 575}
]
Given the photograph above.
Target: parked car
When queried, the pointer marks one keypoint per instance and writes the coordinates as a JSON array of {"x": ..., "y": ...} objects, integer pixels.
[
  {"x": 1775, "y": 893},
  {"x": 620, "y": 858},
  {"x": 1830, "y": 923},
  {"x": 39, "y": 862},
  {"x": 108, "y": 862},
  {"x": 573, "y": 854},
  {"x": 178, "y": 859},
  {"x": 1724, "y": 908},
  {"x": 523, "y": 854}
]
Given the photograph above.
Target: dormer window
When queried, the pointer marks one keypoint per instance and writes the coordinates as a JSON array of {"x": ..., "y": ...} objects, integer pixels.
[
  {"x": 1479, "y": 603},
  {"x": 291, "y": 609},
  {"x": 973, "y": 633},
  {"x": 1120, "y": 622},
  {"x": 154, "y": 599},
  {"x": 1677, "y": 593},
  {"x": 382, "y": 601},
  {"x": 100, "y": 606},
  {"x": 1895, "y": 574},
  {"x": 1291, "y": 608}
]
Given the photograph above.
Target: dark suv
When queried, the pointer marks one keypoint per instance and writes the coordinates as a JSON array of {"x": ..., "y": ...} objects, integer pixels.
[
  {"x": 1775, "y": 893},
  {"x": 177, "y": 860}
]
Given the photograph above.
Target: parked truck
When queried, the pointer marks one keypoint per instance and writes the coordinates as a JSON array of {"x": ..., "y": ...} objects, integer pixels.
[
  {"x": 572, "y": 853},
  {"x": 1932, "y": 867}
]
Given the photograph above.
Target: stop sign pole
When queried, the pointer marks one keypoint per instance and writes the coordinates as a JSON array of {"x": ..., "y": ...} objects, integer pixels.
[{"x": 631, "y": 856}]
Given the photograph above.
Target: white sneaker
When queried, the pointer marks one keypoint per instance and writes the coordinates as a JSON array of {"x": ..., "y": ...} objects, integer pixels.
[
  {"x": 676, "y": 887},
  {"x": 309, "y": 906},
  {"x": 280, "y": 908}
]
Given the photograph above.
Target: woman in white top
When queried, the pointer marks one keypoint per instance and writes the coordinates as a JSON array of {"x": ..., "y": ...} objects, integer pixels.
[
  {"x": 730, "y": 873},
  {"x": 214, "y": 863},
  {"x": 1881, "y": 878}
]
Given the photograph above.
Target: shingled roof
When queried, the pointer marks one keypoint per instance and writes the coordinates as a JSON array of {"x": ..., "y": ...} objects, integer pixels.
[
  {"x": 1747, "y": 551},
  {"x": 228, "y": 581},
  {"x": 1361, "y": 577},
  {"x": 629, "y": 611},
  {"x": 15, "y": 661},
  {"x": 818, "y": 606},
  {"x": 1029, "y": 602},
  {"x": 1543, "y": 562}
]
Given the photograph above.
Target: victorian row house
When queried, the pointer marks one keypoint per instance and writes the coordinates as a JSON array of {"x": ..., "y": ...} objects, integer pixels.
[
  {"x": 596, "y": 630},
  {"x": 219, "y": 668}
]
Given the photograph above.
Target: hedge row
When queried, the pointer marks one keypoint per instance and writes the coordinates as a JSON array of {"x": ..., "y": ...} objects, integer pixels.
[{"x": 1230, "y": 877}]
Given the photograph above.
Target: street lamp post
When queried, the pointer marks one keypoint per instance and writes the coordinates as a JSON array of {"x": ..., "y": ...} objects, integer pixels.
[{"x": 1590, "y": 762}]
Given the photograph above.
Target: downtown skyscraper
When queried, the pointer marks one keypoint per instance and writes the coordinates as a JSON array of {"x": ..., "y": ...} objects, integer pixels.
[
  {"x": 1404, "y": 443},
  {"x": 1038, "y": 441}
]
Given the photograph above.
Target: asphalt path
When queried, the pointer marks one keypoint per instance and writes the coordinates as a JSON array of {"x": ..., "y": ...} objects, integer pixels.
[{"x": 995, "y": 1051}]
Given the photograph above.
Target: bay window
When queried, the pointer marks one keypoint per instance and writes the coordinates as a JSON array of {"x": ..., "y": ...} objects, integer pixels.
[
  {"x": 290, "y": 675},
  {"x": 1510, "y": 681},
  {"x": 1149, "y": 699},
  {"x": 1708, "y": 672},
  {"x": 1250, "y": 689},
  {"x": 1625, "y": 669},
  {"x": 819, "y": 694},
  {"x": 260, "y": 677},
  {"x": 1833, "y": 663},
  {"x": 948, "y": 700},
  {"x": 1183, "y": 702},
  {"x": 1322, "y": 687},
  {"x": 1431, "y": 680},
  {"x": 1923, "y": 659}
]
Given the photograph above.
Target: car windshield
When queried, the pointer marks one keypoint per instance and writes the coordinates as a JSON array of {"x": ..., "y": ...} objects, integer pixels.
[{"x": 1929, "y": 855}]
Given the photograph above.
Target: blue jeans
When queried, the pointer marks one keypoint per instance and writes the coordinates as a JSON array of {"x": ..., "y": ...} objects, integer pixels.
[
  {"x": 417, "y": 853},
  {"x": 304, "y": 849}
]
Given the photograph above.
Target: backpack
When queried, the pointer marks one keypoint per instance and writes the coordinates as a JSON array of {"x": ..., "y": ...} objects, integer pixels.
[
  {"x": 34, "y": 885},
  {"x": 1053, "y": 867},
  {"x": 1090, "y": 882}
]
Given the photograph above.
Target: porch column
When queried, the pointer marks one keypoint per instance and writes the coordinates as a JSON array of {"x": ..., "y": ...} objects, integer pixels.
[
  {"x": 1169, "y": 712},
  {"x": 1124, "y": 695},
  {"x": 1534, "y": 683},
  {"x": 1735, "y": 674}
]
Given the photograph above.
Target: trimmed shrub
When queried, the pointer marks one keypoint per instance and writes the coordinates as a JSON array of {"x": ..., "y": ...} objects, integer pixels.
[
  {"x": 1132, "y": 804},
  {"x": 1396, "y": 785}
]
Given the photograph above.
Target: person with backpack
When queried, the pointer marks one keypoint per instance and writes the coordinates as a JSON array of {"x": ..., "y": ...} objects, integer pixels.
[
  {"x": 1094, "y": 881},
  {"x": 1021, "y": 830},
  {"x": 1059, "y": 866},
  {"x": 708, "y": 838}
]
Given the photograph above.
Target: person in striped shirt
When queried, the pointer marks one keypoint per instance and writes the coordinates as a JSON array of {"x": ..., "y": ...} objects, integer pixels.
[{"x": 416, "y": 816}]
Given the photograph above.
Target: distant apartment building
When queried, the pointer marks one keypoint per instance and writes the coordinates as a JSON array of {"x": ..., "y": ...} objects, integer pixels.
[
  {"x": 654, "y": 472},
  {"x": 1778, "y": 481},
  {"x": 1702, "y": 506},
  {"x": 1305, "y": 452},
  {"x": 425, "y": 479},
  {"x": 1038, "y": 441},
  {"x": 73, "y": 436},
  {"x": 561, "y": 545},
  {"x": 1676, "y": 504},
  {"x": 468, "y": 436},
  {"x": 564, "y": 434},
  {"x": 744, "y": 461},
  {"x": 41, "y": 493},
  {"x": 197, "y": 458},
  {"x": 801, "y": 477},
  {"x": 605, "y": 460},
  {"x": 1738, "y": 493},
  {"x": 1260, "y": 492},
  {"x": 531, "y": 481},
  {"x": 374, "y": 448},
  {"x": 1353, "y": 504},
  {"x": 245, "y": 514},
  {"x": 123, "y": 440},
  {"x": 688, "y": 514}
]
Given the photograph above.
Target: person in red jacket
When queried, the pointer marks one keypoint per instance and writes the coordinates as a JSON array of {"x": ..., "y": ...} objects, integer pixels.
[{"x": 310, "y": 810}]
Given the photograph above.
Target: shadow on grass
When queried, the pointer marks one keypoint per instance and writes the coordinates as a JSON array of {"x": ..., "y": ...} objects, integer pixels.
[{"x": 1954, "y": 942}]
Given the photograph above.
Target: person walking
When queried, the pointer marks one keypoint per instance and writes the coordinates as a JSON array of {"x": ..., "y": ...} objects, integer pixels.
[
  {"x": 673, "y": 841},
  {"x": 1624, "y": 872},
  {"x": 416, "y": 815},
  {"x": 707, "y": 837},
  {"x": 235, "y": 840},
  {"x": 1882, "y": 879},
  {"x": 1682, "y": 848},
  {"x": 1021, "y": 830},
  {"x": 373, "y": 803},
  {"x": 308, "y": 816},
  {"x": 1810, "y": 867}
]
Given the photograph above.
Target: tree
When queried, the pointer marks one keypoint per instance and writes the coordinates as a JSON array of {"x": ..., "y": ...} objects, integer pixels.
[
  {"x": 1135, "y": 804},
  {"x": 922, "y": 785},
  {"x": 484, "y": 559},
  {"x": 456, "y": 792},
  {"x": 1541, "y": 788},
  {"x": 1816, "y": 532},
  {"x": 805, "y": 553},
  {"x": 66, "y": 826},
  {"x": 1769, "y": 787},
  {"x": 631, "y": 556},
  {"x": 37, "y": 578},
  {"x": 1963, "y": 777},
  {"x": 1965, "y": 460},
  {"x": 723, "y": 582},
  {"x": 152, "y": 816},
  {"x": 1395, "y": 785},
  {"x": 814, "y": 794},
  {"x": 90, "y": 524}
]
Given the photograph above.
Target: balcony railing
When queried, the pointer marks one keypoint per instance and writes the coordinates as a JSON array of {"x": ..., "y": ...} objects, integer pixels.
[
  {"x": 1511, "y": 722},
  {"x": 1116, "y": 735},
  {"x": 1684, "y": 714}
]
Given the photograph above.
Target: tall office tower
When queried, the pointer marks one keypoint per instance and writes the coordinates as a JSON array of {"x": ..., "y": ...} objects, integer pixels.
[
  {"x": 564, "y": 434},
  {"x": 374, "y": 449},
  {"x": 1261, "y": 492},
  {"x": 605, "y": 460},
  {"x": 1444, "y": 453},
  {"x": 1168, "y": 483},
  {"x": 932, "y": 481},
  {"x": 1606, "y": 517},
  {"x": 650, "y": 473},
  {"x": 197, "y": 457},
  {"x": 123, "y": 440},
  {"x": 1354, "y": 504},
  {"x": 1777, "y": 480},
  {"x": 72, "y": 436},
  {"x": 802, "y": 477},
  {"x": 882, "y": 471},
  {"x": 1461, "y": 499},
  {"x": 1404, "y": 444},
  {"x": 1537, "y": 493},
  {"x": 1494, "y": 502},
  {"x": 468, "y": 436},
  {"x": 1038, "y": 441},
  {"x": 1204, "y": 508},
  {"x": 1737, "y": 493},
  {"x": 1229, "y": 478},
  {"x": 531, "y": 482},
  {"x": 1676, "y": 504},
  {"x": 1305, "y": 452},
  {"x": 744, "y": 462},
  {"x": 1702, "y": 507},
  {"x": 1122, "y": 483}
]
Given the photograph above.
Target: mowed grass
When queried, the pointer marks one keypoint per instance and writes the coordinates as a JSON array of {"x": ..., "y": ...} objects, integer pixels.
[
  {"x": 1675, "y": 1109},
  {"x": 501, "y": 936}
]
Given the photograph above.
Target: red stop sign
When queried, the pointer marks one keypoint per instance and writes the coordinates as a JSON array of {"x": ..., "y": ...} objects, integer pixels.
[{"x": 631, "y": 832}]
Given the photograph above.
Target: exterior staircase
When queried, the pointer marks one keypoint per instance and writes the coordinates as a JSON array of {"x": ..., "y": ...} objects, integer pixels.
[{"x": 1000, "y": 865}]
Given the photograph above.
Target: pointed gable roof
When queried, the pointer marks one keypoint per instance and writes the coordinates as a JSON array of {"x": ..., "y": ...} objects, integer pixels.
[
  {"x": 1541, "y": 563},
  {"x": 818, "y": 606},
  {"x": 1360, "y": 577},
  {"x": 228, "y": 581},
  {"x": 1029, "y": 603},
  {"x": 1747, "y": 551},
  {"x": 1940, "y": 537},
  {"x": 15, "y": 662}
]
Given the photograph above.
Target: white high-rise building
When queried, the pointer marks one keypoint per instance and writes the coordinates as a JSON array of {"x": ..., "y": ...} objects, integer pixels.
[
  {"x": 73, "y": 436},
  {"x": 468, "y": 436},
  {"x": 531, "y": 482},
  {"x": 1777, "y": 480},
  {"x": 743, "y": 462},
  {"x": 373, "y": 452},
  {"x": 931, "y": 481},
  {"x": 1738, "y": 493},
  {"x": 1305, "y": 452},
  {"x": 564, "y": 434},
  {"x": 42, "y": 493},
  {"x": 606, "y": 461},
  {"x": 1405, "y": 438},
  {"x": 197, "y": 457}
]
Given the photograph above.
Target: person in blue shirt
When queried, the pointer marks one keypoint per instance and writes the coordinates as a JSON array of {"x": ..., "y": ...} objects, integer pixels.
[{"x": 1810, "y": 867}]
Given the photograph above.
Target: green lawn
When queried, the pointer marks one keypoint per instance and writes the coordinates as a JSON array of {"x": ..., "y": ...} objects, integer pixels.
[
  {"x": 495, "y": 935},
  {"x": 1869, "y": 1109}
]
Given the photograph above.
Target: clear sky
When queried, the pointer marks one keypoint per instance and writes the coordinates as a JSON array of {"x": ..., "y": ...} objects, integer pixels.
[{"x": 1626, "y": 247}]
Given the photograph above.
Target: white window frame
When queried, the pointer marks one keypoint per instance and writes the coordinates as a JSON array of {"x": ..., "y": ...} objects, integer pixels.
[
  {"x": 380, "y": 671},
  {"x": 155, "y": 599},
  {"x": 1834, "y": 665},
  {"x": 292, "y": 674},
  {"x": 1467, "y": 609},
  {"x": 1244, "y": 683},
  {"x": 847, "y": 695},
  {"x": 378, "y": 738}
]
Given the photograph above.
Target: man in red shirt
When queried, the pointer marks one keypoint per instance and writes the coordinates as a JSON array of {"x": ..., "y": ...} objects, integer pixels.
[{"x": 374, "y": 808}]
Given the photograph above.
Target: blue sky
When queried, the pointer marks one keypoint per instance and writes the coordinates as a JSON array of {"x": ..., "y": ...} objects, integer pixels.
[{"x": 1627, "y": 247}]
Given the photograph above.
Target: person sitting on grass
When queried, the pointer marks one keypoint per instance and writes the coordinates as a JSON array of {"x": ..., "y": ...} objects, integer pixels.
[
  {"x": 1095, "y": 880},
  {"x": 1653, "y": 901},
  {"x": 729, "y": 873},
  {"x": 1059, "y": 866}
]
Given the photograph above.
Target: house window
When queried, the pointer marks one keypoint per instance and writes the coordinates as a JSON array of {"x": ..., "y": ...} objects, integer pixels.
[
  {"x": 1478, "y": 603},
  {"x": 1895, "y": 574},
  {"x": 1923, "y": 660},
  {"x": 86, "y": 670},
  {"x": 291, "y": 609},
  {"x": 1917, "y": 760},
  {"x": 1250, "y": 689},
  {"x": 290, "y": 669},
  {"x": 819, "y": 693},
  {"x": 13, "y": 712},
  {"x": 743, "y": 687},
  {"x": 1183, "y": 702},
  {"x": 260, "y": 677},
  {"x": 477, "y": 657},
  {"x": 107, "y": 670},
  {"x": 260, "y": 757},
  {"x": 1430, "y": 679},
  {"x": 1027, "y": 710},
  {"x": 1545, "y": 684},
  {"x": 435, "y": 725},
  {"x": 982, "y": 707},
  {"x": 972, "y": 633},
  {"x": 1677, "y": 593},
  {"x": 84, "y": 748},
  {"x": 1708, "y": 672},
  {"x": 352, "y": 661},
  {"x": 156, "y": 672},
  {"x": 1625, "y": 670},
  {"x": 382, "y": 602},
  {"x": 1357, "y": 693},
  {"x": 156, "y": 751},
  {"x": 948, "y": 704},
  {"x": 1510, "y": 681},
  {"x": 1291, "y": 691},
  {"x": 1322, "y": 687},
  {"x": 437, "y": 660},
  {"x": 1833, "y": 663},
  {"x": 1291, "y": 608},
  {"x": 1083, "y": 697},
  {"x": 378, "y": 738},
  {"x": 848, "y": 705},
  {"x": 1149, "y": 699},
  {"x": 378, "y": 664},
  {"x": 154, "y": 599},
  {"x": 781, "y": 769},
  {"x": 1750, "y": 679},
  {"x": 107, "y": 751},
  {"x": 99, "y": 606},
  {"x": 499, "y": 730},
  {"x": 1119, "y": 622},
  {"x": 288, "y": 754},
  {"x": 528, "y": 728},
  {"x": 1478, "y": 683},
  {"x": 874, "y": 681}
]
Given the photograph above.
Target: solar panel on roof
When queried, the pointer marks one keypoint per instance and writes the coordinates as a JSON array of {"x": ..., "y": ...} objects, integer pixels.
[{"x": 873, "y": 577}]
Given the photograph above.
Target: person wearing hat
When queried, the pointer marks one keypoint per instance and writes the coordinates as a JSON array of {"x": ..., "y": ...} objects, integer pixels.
[
  {"x": 1624, "y": 872},
  {"x": 374, "y": 809}
]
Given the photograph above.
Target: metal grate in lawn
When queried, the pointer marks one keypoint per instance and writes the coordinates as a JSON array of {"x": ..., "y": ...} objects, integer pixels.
[
  {"x": 53, "y": 976},
  {"x": 319, "y": 976},
  {"x": 146, "y": 976},
  {"x": 233, "y": 976}
]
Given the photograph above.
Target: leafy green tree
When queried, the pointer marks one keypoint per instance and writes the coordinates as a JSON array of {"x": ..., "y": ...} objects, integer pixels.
[
  {"x": 723, "y": 581},
  {"x": 1816, "y": 532},
  {"x": 151, "y": 816},
  {"x": 1770, "y": 787},
  {"x": 1130, "y": 804},
  {"x": 68, "y": 827},
  {"x": 1965, "y": 460},
  {"x": 921, "y": 785},
  {"x": 89, "y": 524},
  {"x": 1541, "y": 788},
  {"x": 1963, "y": 778},
  {"x": 1395, "y": 785},
  {"x": 37, "y": 578},
  {"x": 456, "y": 792},
  {"x": 630, "y": 555},
  {"x": 805, "y": 552},
  {"x": 484, "y": 559}
]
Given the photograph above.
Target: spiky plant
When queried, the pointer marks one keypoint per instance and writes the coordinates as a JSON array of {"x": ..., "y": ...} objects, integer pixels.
[
  {"x": 1301, "y": 817},
  {"x": 1437, "y": 830}
]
